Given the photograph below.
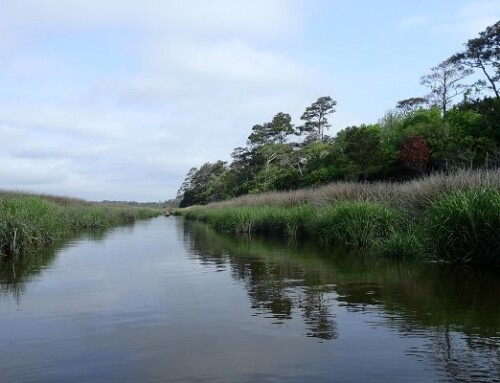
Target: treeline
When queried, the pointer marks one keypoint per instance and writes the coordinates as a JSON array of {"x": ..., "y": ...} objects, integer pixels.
[{"x": 455, "y": 125}]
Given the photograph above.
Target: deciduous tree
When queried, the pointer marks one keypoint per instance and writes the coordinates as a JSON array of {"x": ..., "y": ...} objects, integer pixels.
[{"x": 445, "y": 83}]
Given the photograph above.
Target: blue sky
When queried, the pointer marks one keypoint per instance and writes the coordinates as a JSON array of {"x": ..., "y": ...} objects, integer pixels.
[{"x": 119, "y": 99}]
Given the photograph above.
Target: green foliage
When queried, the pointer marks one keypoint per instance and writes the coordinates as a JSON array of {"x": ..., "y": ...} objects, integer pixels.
[
  {"x": 315, "y": 117},
  {"x": 483, "y": 53},
  {"x": 404, "y": 145},
  {"x": 362, "y": 149},
  {"x": 465, "y": 227},
  {"x": 204, "y": 185}
]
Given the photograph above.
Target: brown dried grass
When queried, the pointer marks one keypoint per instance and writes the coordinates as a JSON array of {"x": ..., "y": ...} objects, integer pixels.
[{"x": 412, "y": 196}]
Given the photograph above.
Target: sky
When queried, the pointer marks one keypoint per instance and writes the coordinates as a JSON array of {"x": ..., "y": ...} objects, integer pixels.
[{"x": 118, "y": 99}]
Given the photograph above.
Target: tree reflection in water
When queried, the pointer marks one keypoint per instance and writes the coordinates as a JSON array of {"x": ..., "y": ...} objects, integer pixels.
[
  {"x": 455, "y": 312},
  {"x": 276, "y": 289}
]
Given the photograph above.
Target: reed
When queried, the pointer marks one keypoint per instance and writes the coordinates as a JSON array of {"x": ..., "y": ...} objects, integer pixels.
[
  {"x": 29, "y": 222},
  {"x": 358, "y": 224},
  {"x": 289, "y": 222},
  {"x": 464, "y": 227},
  {"x": 412, "y": 197},
  {"x": 453, "y": 218}
]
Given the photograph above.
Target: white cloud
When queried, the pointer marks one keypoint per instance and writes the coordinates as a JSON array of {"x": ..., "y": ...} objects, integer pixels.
[
  {"x": 247, "y": 17},
  {"x": 128, "y": 120}
]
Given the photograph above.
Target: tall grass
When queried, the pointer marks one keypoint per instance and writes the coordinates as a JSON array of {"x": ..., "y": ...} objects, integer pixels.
[
  {"x": 453, "y": 218},
  {"x": 358, "y": 224},
  {"x": 413, "y": 197},
  {"x": 28, "y": 222},
  {"x": 465, "y": 227},
  {"x": 289, "y": 222}
]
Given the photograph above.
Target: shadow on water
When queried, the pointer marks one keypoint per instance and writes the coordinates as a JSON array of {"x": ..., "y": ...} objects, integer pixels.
[{"x": 456, "y": 311}]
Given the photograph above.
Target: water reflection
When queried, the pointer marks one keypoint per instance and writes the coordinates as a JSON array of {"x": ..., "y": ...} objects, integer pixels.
[
  {"x": 276, "y": 289},
  {"x": 16, "y": 273},
  {"x": 455, "y": 312}
]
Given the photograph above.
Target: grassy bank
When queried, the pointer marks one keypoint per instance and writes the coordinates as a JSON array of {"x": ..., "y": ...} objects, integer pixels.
[
  {"x": 451, "y": 218},
  {"x": 28, "y": 222}
]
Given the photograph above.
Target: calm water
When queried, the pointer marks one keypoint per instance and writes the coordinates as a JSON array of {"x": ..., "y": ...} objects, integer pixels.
[{"x": 170, "y": 301}]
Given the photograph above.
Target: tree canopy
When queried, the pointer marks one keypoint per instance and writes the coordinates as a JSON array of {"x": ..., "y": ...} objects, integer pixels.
[{"x": 436, "y": 132}]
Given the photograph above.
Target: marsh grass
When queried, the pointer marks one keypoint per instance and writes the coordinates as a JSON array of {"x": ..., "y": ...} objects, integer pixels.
[
  {"x": 289, "y": 222},
  {"x": 464, "y": 227},
  {"x": 453, "y": 218},
  {"x": 28, "y": 222},
  {"x": 412, "y": 197},
  {"x": 357, "y": 224},
  {"x": 406, "y": 241}
]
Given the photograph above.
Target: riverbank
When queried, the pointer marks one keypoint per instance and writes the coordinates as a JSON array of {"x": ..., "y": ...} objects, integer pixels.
[
  {"x": 450, "y": 218},
  {"x": 29, "y": 222}
]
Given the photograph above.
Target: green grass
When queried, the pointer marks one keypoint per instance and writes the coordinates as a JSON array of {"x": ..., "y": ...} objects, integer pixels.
[
  {"x": 29, "y": 222},
  {"x": 406, "y": 241},
  {"x": 464, "y": 227},
  {"x": 453, "y": 219},
  {"x": 358, "y": 224},
  {"x": 289, "y": 222}
]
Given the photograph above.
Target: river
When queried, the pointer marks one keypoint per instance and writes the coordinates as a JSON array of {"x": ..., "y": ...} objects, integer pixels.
[{"x": 166, "y": 300}]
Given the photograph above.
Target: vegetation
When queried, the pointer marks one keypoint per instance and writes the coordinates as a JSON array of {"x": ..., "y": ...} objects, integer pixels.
[
  {"x": 451, "y": 218},
  {"x": 422, "y": 181},
  {"x": 456, "y": 125},
  {"x": 465, "y": 227},
  {"x": 29, "y": 222}
]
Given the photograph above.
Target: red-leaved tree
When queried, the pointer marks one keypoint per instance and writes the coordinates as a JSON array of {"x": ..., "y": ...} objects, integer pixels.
[{"x": 415, "y": 153}]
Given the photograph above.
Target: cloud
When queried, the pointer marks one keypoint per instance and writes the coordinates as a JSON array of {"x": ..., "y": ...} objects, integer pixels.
[
  {"x": 246, "y": 17},
  {"x": 119, "y": 99}
]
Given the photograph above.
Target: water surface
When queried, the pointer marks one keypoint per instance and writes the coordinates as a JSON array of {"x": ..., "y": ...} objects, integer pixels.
[{"x": 166, "y": 300}]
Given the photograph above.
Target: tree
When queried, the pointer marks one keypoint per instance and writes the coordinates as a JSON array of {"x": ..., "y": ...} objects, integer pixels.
[
  {"x": 410, "y": 104},
  {"x": 315, "y": 117},
  {"x": 281, "y": 127},
  {"x": 444, "y": 81},
  {"x": 362, "y": 147},
  {"x": 414, "y": 153},
  {"x": 261, "y": 135},
  {"x": 483, "y": 53},
  {"x": 204, "y": 185},
  {"x": 272, "y": 132}
]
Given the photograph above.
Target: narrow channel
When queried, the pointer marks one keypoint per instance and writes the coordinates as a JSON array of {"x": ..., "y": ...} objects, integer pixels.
[{"x": 166, "y": 300}]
